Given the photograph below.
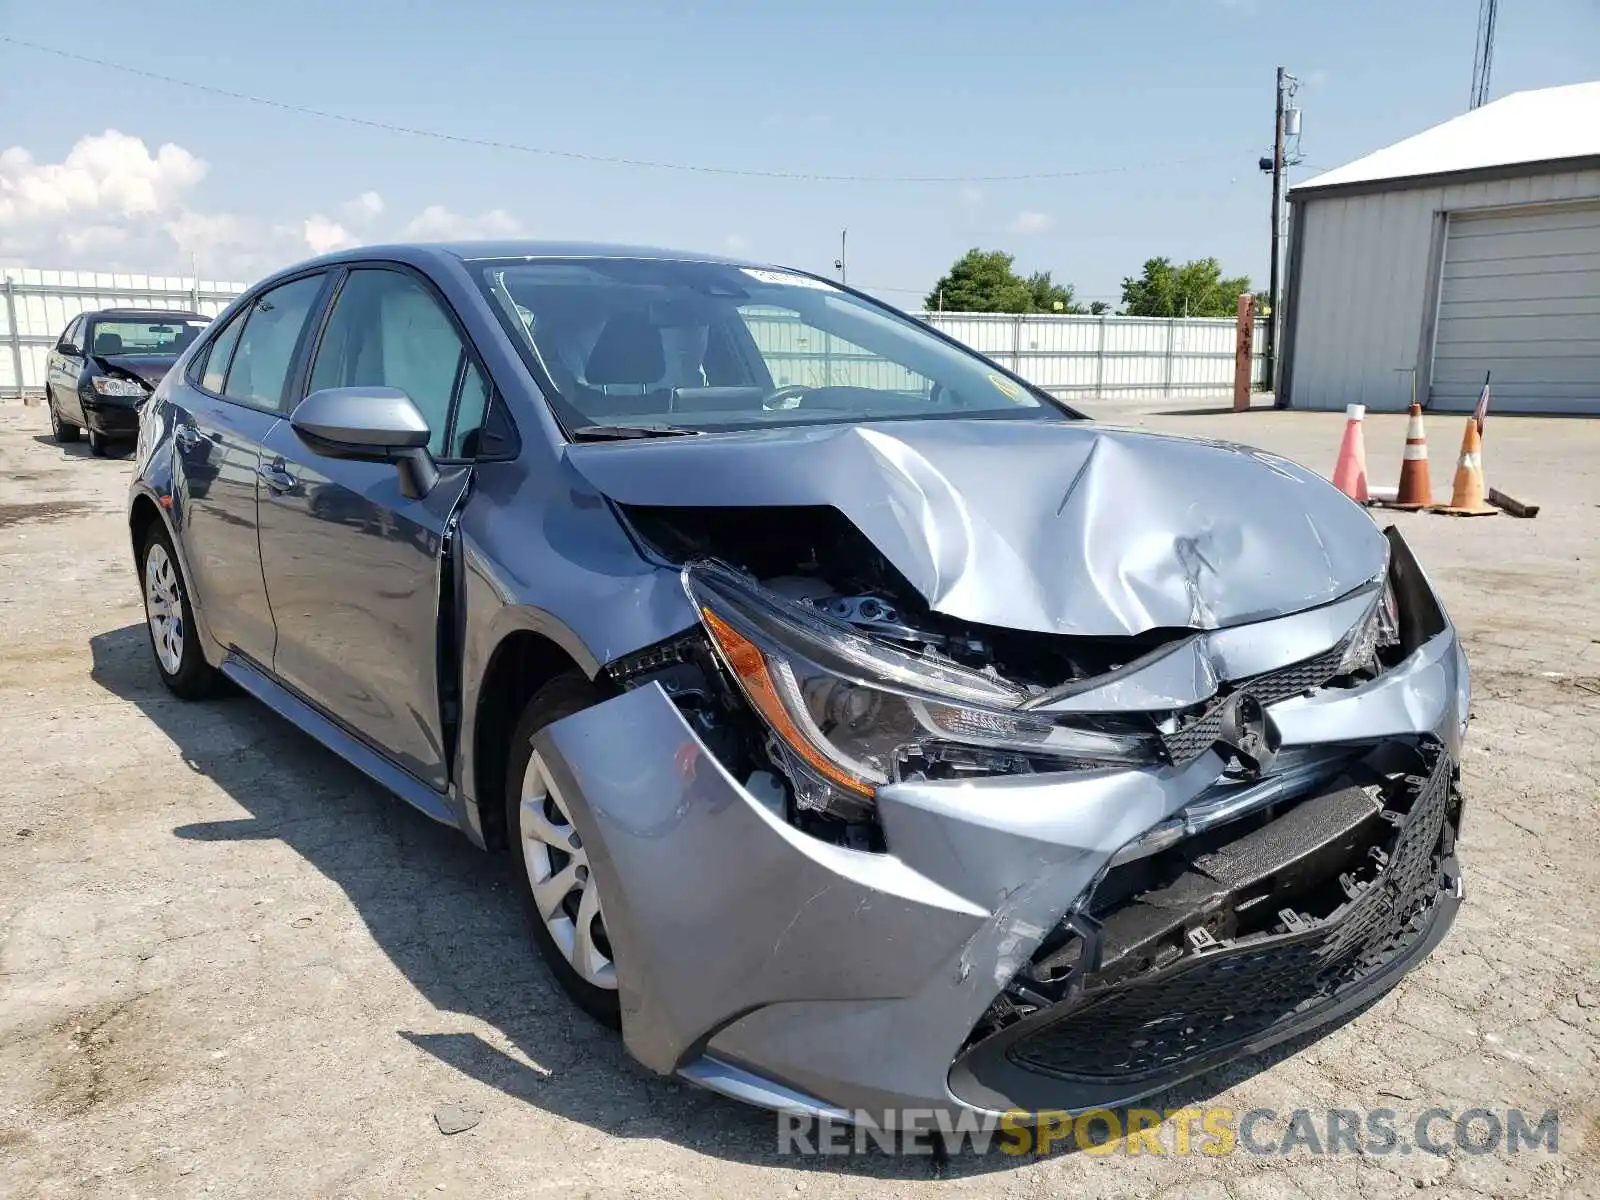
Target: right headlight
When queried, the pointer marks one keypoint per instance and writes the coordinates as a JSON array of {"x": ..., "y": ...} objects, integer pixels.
[
  {"x": 112, "y": 385},
  {"x": 1378, "y": 630},
  {"x": 853, "y": 713}
]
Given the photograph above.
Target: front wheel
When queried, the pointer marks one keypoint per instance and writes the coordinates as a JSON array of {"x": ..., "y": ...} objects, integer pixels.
[
  {"x": 551, "y": 863},
  {"x": 170, "y": 621},
  {"x": 97, "y": 443}
]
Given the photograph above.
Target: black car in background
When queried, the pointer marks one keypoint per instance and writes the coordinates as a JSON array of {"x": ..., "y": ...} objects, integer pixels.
[{"x": 105, "y": 365}]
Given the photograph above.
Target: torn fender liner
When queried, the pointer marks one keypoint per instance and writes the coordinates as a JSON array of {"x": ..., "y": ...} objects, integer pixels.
[
  {"x": 716, "y": 907},
  {"x": 1048, "y": 526}
]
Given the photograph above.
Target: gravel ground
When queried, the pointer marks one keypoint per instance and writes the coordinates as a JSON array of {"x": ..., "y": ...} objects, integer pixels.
[{"x": 231, "y": 967}]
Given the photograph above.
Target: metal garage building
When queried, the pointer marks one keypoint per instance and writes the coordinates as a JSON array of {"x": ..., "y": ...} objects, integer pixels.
[{"x": 1472, "y": 247}]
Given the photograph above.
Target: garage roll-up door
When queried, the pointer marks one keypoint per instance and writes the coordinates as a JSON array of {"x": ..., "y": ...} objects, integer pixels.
[{"x": 1520, "y": 296}]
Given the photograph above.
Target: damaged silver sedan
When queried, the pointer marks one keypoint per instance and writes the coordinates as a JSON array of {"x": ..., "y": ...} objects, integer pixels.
[{"x": 868, "y": 730}]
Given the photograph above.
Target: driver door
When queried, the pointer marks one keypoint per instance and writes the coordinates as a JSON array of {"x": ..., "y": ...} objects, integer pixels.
[{"x": 353, "y": 566}]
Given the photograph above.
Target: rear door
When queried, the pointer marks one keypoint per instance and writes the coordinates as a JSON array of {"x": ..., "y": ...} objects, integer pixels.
[
  {"x": 222, "y": 412},
  {"x": 353, "y": 567}
]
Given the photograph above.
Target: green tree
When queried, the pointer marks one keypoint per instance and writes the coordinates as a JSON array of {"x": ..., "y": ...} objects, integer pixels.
[
  {"x": 1099, "y": 308},
  {"x": 1050, "y": 296},
  {"x": 984, "y": 281},
  {"x": 1191, "y": 289}
]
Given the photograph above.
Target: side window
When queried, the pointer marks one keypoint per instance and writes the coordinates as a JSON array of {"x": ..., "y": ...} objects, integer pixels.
[
  {"x": 74, "y": 334},
  {"x": 261, "y": 361},
  {"x": 472, "y": 404},
  {"x": 213, "y": 368},
  {"x": 387, "y": 330}
]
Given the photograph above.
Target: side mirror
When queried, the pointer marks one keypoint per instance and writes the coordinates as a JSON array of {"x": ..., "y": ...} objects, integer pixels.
[
  {"x": 370, "y": 424},
  {"x": 69, "y": 349}
]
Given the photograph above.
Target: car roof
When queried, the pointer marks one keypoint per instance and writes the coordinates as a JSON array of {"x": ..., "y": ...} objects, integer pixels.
[
  {"x": 139, "y": 314},
  {"x": 516, "y": 248}
]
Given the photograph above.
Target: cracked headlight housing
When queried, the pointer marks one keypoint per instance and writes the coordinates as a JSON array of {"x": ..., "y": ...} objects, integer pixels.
[
  {"x": 1379, "y": 630},
  {"x": 848, "y": 714}
]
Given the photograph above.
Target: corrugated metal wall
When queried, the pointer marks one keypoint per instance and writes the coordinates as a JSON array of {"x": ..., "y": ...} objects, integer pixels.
[{"x": 1367, "y": 283}]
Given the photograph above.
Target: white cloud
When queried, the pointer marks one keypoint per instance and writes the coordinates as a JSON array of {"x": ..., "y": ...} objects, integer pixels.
[
  {"x": 1032, "y": 222},
  {"x": 103, "y": 175},
  {"x": 108, "y": 174},
  {"x": 366, "y": 207},
  {"x": 114, "y": 204},
  {"x": 323, "y": 235},
  {"x": 971, "y": 195},
  {"x": 438, "y": 223}
]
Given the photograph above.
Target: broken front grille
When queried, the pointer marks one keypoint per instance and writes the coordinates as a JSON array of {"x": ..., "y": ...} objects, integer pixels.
[
  {"x": 1165, "y": 991},
  {"x": 1199, "y": 733}
]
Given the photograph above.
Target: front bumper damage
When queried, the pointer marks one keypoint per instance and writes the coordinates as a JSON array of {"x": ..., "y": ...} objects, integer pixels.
[{"x": 937, "y": 974}]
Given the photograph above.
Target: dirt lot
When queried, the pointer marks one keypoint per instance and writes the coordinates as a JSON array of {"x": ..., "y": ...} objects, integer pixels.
[{"x": 230, "y": 966}]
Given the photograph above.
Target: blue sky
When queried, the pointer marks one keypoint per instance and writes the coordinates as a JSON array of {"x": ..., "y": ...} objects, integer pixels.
[{"x": 1179, "y": 94}]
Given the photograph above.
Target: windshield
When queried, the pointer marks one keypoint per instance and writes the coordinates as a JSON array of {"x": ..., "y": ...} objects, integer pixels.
[
  {"x": 144, "y": 338},
  {"x": 707, "y": 346}
]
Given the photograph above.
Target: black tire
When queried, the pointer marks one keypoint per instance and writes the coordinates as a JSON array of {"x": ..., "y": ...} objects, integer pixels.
[
  {"x": 62, "y": 431},
  {"x": 97, "y": 443},
  {"x": 561, "y": 697},
  {"x": 195, "y": 679}
]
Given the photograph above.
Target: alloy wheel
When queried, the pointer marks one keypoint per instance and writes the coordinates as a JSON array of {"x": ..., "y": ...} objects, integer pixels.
[
  {"x": 163, "y": 604},
  {"x": 564, "y": 888}
]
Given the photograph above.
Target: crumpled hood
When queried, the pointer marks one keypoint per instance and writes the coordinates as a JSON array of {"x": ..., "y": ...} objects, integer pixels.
[
  {"x": 1064, "y": 527},
  {"x": 145, "y": 368}
]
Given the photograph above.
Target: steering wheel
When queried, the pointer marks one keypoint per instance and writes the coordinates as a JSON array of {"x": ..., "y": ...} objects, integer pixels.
[{"x": 773, "y": 400}]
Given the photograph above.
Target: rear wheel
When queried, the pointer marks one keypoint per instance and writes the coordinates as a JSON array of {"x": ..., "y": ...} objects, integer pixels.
[
  {"x": 62, "y": 431},
  {"x": 170, "y": 620},
  {"x": 551, "y": 862}
]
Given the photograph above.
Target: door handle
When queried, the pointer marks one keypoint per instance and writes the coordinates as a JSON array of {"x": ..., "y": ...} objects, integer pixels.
[
  {"x": 275, "y": 477},
  {"x": 188, "y": 437}
]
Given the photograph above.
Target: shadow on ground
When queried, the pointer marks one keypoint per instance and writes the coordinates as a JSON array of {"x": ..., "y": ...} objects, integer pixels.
[
  {"x": 78, "y": 449},
  {"x": 442, "y": 912}
]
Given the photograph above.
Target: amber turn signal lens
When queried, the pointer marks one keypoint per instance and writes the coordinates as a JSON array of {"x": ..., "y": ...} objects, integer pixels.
[{"x": 747, "y": 662}]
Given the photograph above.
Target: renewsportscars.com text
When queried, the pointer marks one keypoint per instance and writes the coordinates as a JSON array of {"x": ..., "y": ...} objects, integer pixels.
[{"x": 1177, "y": 1131}]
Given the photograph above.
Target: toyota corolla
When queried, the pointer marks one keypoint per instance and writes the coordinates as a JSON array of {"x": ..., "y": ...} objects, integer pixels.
[{"x": 864, "y": 727}]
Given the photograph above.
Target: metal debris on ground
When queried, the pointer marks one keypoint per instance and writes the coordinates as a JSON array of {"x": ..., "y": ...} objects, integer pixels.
[{"x": 1517, "y": 508}]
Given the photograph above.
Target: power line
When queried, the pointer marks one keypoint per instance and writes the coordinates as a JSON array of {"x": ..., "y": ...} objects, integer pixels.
[
  {"x": 579, "y": 156},
  {"x": 1483, "y": 52}
]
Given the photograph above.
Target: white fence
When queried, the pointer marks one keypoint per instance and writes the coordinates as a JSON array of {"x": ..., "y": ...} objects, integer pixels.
[
  {"x": 1109, "y": 357},
  {"x": 38, "y": 305},
  {"x": 1071, "y": 356}
]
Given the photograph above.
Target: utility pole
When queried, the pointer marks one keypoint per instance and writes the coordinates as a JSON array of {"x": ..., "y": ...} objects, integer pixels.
[
  {"x": 839, "y": 263},
  {"x": 1271, "y": 340}
]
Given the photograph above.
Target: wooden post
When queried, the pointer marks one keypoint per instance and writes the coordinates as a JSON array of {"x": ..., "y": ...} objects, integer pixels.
[{"x": 1244, "y": 328}]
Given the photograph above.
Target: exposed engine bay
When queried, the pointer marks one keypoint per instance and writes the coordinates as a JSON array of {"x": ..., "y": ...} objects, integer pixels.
[{"x": 814, "y": 555}]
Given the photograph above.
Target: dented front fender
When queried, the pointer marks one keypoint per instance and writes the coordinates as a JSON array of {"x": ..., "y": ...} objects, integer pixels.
[{"x": 718, "y": 911}]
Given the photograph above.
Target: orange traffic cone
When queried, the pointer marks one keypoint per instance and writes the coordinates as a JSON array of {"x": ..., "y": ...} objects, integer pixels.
[
  {"x": 1350, "y": 471},
  {"x": 1466, "y": 498},
  {"x": 1416, "y": 490}
]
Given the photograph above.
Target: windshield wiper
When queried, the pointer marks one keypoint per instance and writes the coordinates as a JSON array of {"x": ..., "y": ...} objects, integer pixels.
[{"x": 614, "y": 433}]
